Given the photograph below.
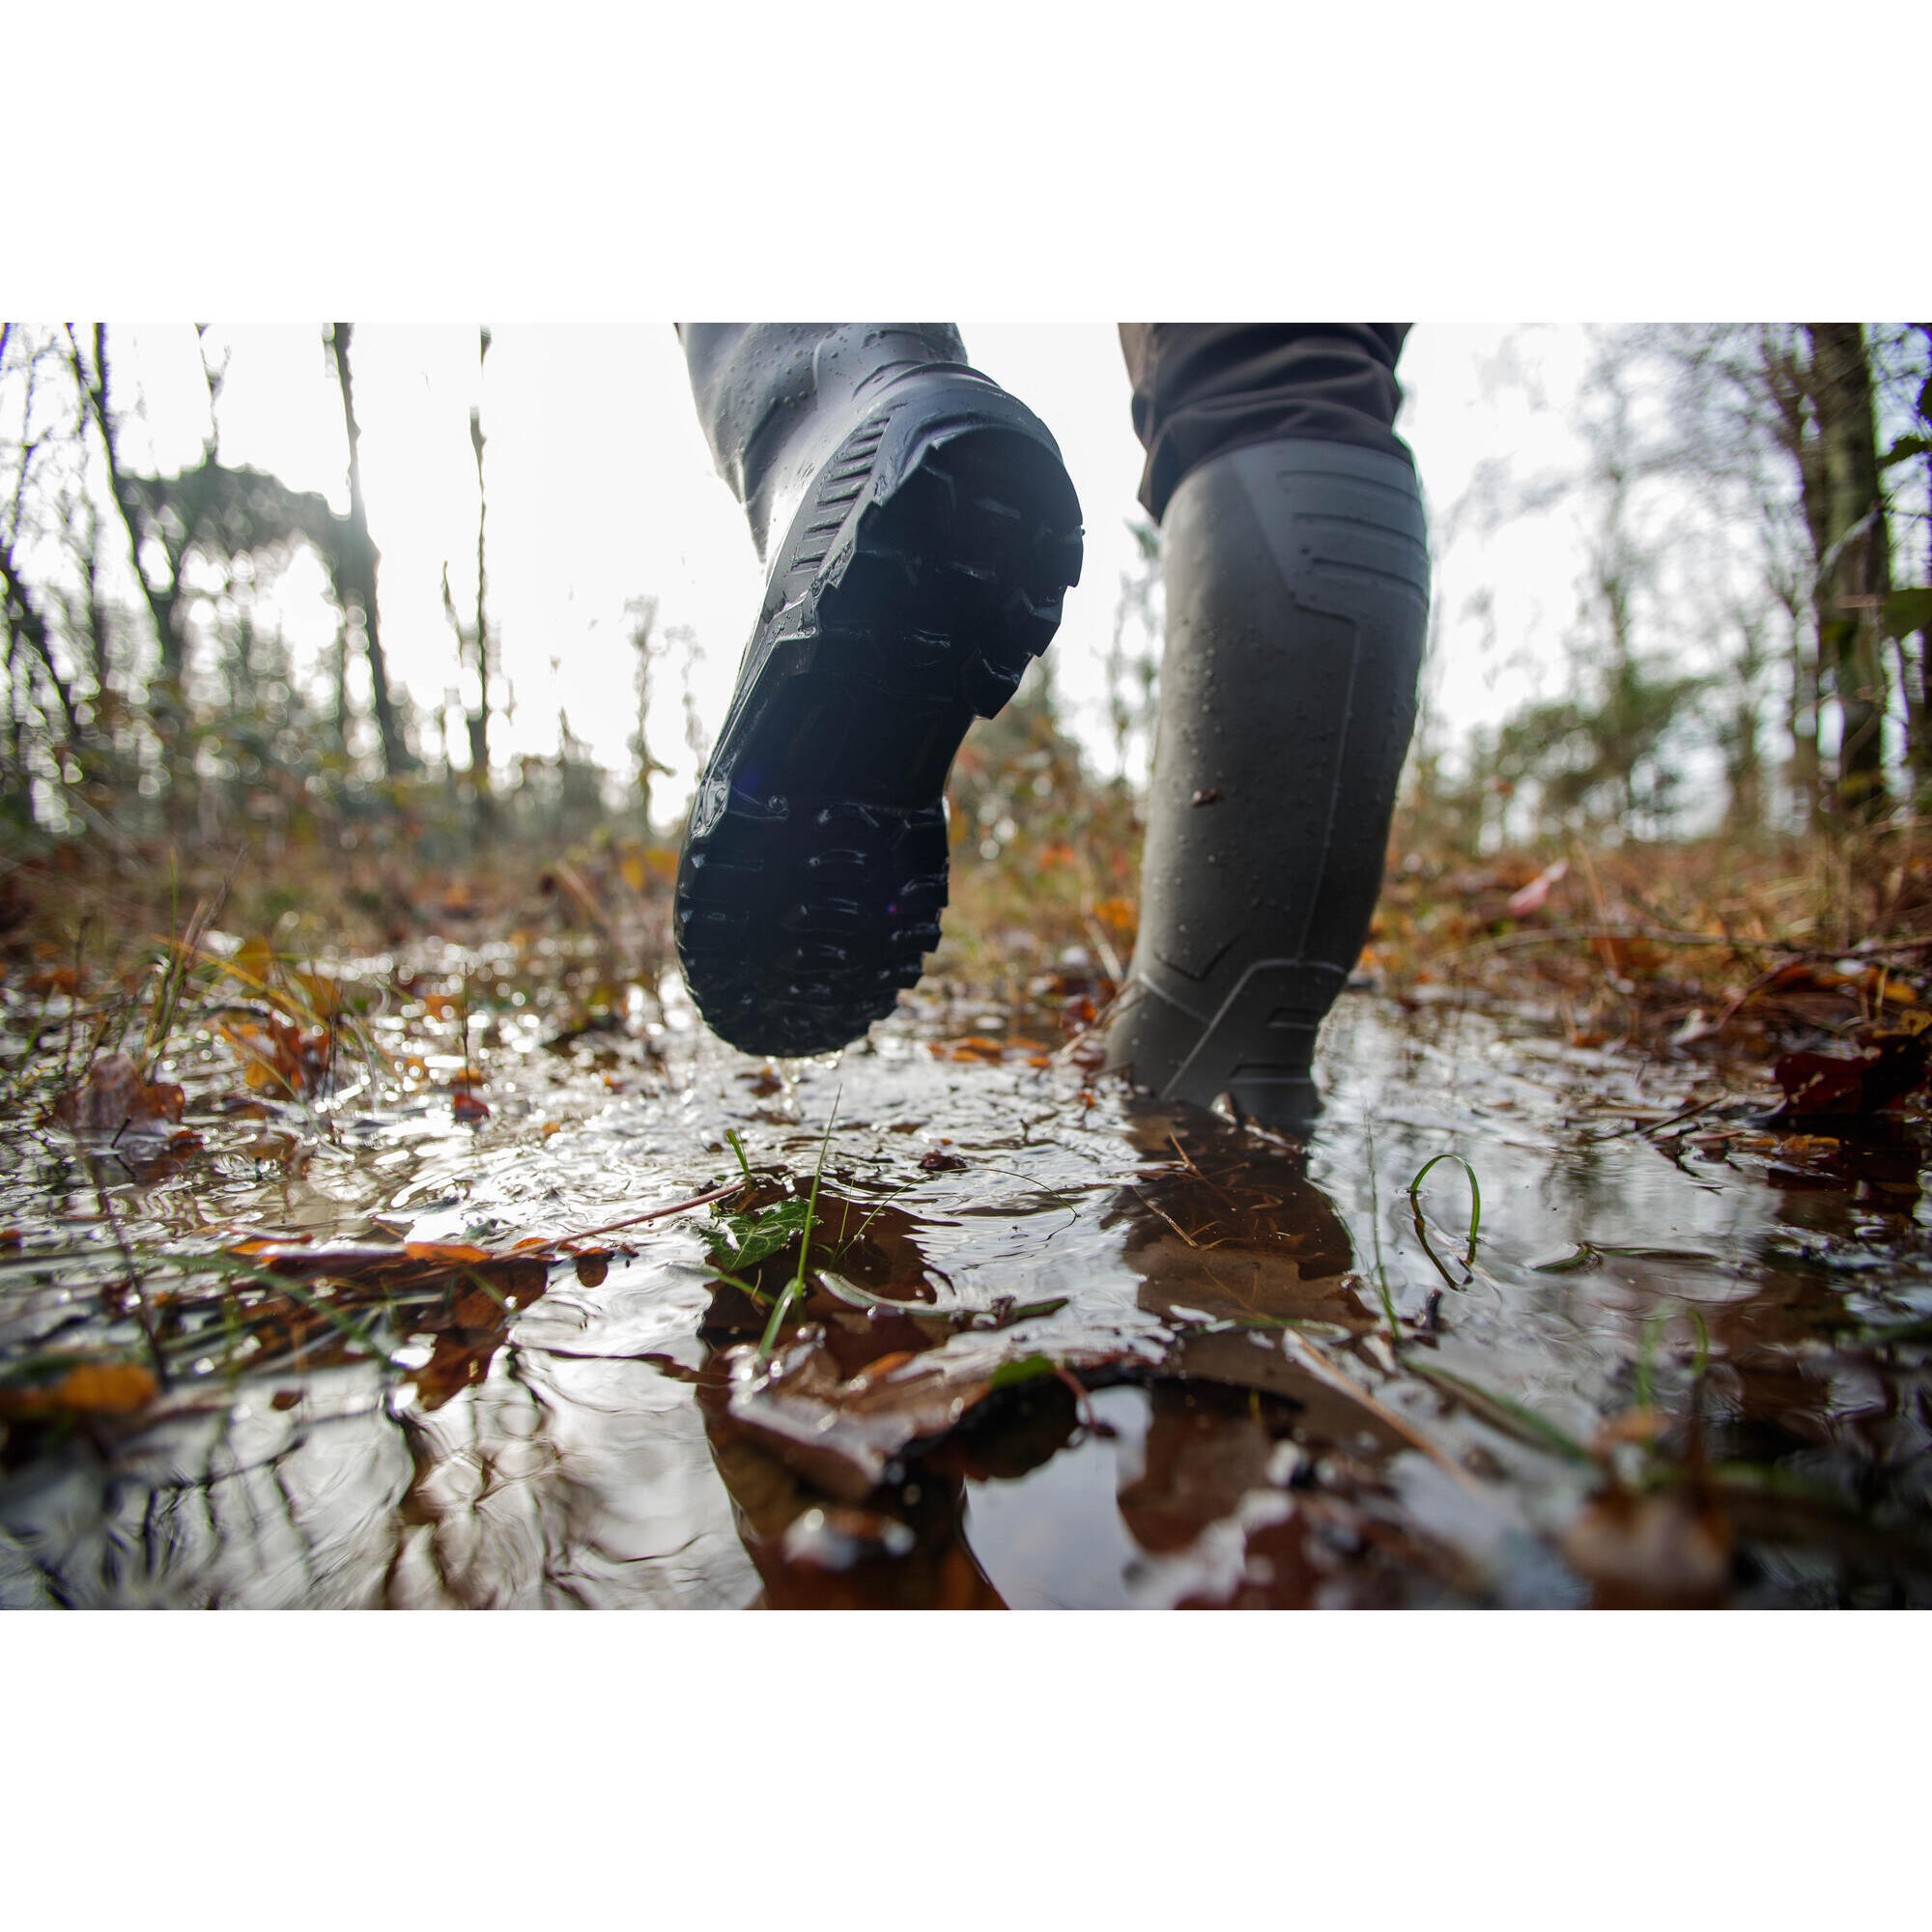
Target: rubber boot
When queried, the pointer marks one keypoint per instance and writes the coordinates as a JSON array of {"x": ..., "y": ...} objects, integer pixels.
[
  {"x": 919, "y": 530},
  {"x": 1298, "y": 598}
]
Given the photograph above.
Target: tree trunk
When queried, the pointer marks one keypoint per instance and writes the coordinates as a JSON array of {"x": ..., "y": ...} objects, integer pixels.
[
  {"x": 17, "y": 788},
  {"x": 1854, "y": 565},
  {"x": 98, "y": 637},
  {"x": 1806, "y": 769},
  {"x": 361, "y": 564},
  {"x": 1786, "y": 381},
  {"x": 24, "y": 620},
  {"x": 1922, "y": 765},
  {"x": 482, "y": 655},
  {"x": 479, "y": 718},
  {"x": 167, "y": 698}
]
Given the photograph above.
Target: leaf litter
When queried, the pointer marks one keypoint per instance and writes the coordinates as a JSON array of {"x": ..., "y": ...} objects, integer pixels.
[{"x": 942, "y": 1322}]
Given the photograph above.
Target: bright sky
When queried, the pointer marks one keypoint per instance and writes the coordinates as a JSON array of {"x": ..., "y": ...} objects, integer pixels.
[{"x": 602, "y": 489}]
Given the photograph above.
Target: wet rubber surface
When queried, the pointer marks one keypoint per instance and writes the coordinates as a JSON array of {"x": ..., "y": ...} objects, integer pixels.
[{"x": 1059, "y": 1349}]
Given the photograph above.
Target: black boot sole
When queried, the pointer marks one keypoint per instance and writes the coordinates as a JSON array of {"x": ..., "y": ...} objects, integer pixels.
[{"x": 815, "y": 867}]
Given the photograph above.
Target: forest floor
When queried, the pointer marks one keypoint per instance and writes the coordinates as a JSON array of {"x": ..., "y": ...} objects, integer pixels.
[{"x": 370, "y": 1235}]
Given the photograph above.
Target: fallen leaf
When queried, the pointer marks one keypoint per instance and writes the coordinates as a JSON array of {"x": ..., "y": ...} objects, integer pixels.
[
  {"x": 1895, "y": 1065},
  {"x": 741, "y": 1241},
  {"x": 845, "y": 1434},
  {"x": 1661, "y": 1552},
  {"x": 1535, "y": 895},
  {"x": 114, "y": 1094},
  {"x": 108, "y": 1388},
  {"x": 87, "y": 1388}
]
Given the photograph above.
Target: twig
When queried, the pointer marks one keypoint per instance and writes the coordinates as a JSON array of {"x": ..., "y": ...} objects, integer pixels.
[
  {"x": 653, "y": 1214},
  {"x": 1164, "y": 1215},
  {"x": 1316, "y": 1361}
]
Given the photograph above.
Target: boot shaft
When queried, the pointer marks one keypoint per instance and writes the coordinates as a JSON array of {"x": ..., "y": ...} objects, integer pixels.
[
  {"x": 1298, "y": 587},
  {"x": 768, "y": 391}
]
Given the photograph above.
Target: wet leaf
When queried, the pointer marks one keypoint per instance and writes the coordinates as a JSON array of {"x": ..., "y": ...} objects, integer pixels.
[
  {"x": 741, "y": 1241},
  {"x": 87, "y": 1388},
  {"x": 107, "y": 1388},
  {"x": 114, "y": 1094},
  {"x": 251, "y": 964},
  {"x": 1662, "y": 1551},
  {"x": 882, "y": 1365},
  {"x": 974, "y": 1046},
  {"x": 1634, "y": 1425},
  {"x": 1028, "y": 1369},
  {"x": 1895, "y": 1065},
  {"x": 844, "y": 1434}
]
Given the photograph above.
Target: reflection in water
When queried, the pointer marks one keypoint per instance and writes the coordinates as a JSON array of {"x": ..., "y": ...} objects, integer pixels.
[{"x": 1684, "y": 1363}]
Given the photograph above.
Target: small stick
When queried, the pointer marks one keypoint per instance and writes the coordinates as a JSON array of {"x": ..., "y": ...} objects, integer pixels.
[{"x": 653, "y": 1214}]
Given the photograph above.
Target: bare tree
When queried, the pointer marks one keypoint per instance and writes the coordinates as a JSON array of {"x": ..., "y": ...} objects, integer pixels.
[
  {"x": 650, "y": 644},
  {"x": 156, "y": 546},
  {"x": 474, "y": 645},
  {"x": 1854, "y": 557},
  {"x": 359, "y": 560}
]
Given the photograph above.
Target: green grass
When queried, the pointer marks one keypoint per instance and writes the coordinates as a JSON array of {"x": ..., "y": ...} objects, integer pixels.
[{"x": 794, "y": 1288}]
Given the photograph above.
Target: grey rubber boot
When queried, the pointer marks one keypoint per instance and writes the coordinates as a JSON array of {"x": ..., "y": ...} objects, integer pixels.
[
  {"x": 1297, "y": 603},
  {"x": 919, "y": 530}
]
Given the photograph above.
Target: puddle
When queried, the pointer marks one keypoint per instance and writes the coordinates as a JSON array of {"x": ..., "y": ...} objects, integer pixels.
[{"x": 1056, "y": 1349}]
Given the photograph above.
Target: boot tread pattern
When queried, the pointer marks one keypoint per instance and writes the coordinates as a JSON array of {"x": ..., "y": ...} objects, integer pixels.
[{"x": 811, "y": 901}]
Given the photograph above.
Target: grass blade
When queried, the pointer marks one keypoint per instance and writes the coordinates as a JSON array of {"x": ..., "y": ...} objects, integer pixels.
[{"x": 795, "y": 1287}]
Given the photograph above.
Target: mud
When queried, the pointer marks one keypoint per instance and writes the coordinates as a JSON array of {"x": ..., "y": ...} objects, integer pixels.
[{"x": 1050, "y": 1345}]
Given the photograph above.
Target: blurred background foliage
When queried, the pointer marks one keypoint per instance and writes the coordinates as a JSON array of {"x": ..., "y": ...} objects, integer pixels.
[{"x": 1747, "y": 660}]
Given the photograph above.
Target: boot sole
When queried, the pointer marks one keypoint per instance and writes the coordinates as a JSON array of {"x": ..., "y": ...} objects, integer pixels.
[{"x": 815, "y": 866}]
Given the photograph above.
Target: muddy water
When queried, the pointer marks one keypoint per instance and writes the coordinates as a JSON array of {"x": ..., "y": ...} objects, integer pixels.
[{"x": 1055, "y": 1347}]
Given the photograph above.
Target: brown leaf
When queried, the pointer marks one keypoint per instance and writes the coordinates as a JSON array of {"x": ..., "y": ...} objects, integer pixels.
[
  {"x": 114, "y": 1094},
  {"x": 87, "y": 1388},
  {"x": 975, "y": 1046},
  {"x": 1895, "y": 1065},
  {"x": 1665, "y": 1551},
  {"x": 108, "y": 1388},
  {"x": 844, "y": 1434},
  {"x": 979, "y": 1046}
]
